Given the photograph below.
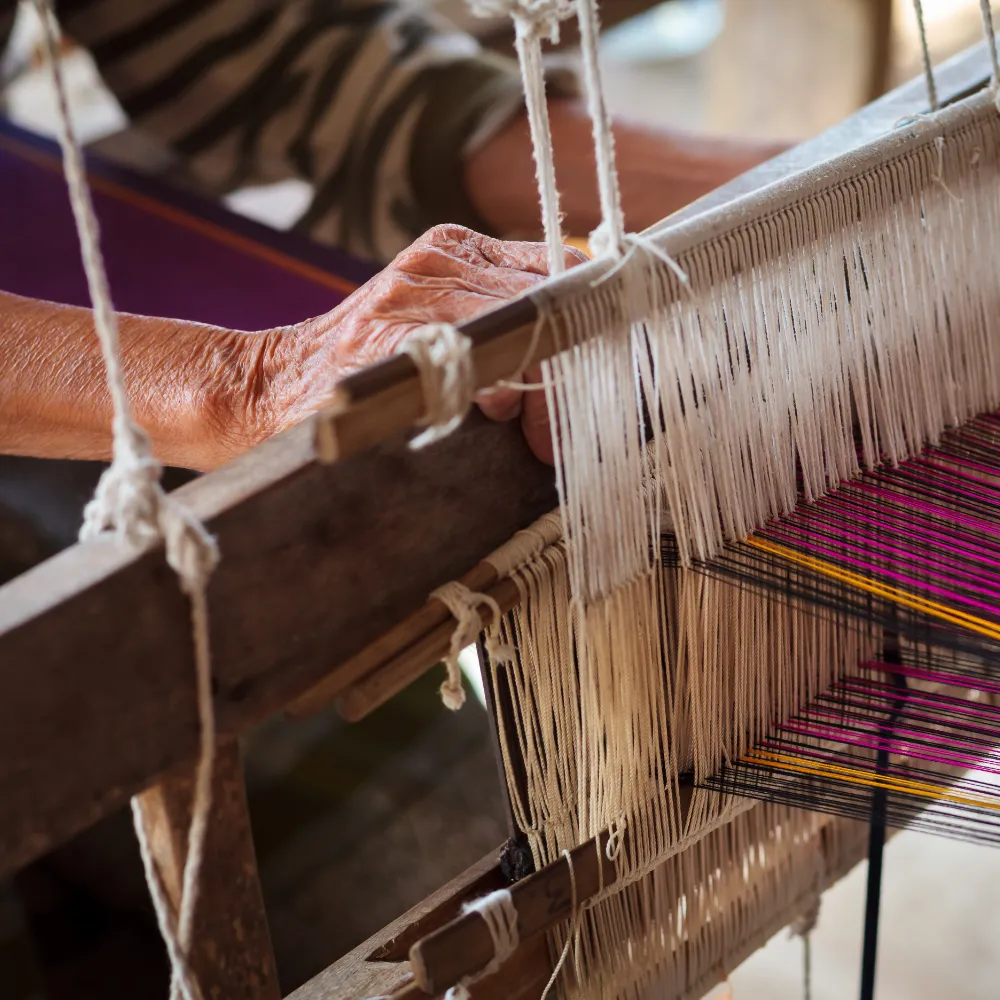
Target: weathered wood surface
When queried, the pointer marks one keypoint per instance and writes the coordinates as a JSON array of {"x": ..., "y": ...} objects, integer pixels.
[
  {"x": 96, "y": 669},
  {"x": 231, "y": 952},
  {"x": 378, "y": 966},
  {"x": 96, "y": 672}
]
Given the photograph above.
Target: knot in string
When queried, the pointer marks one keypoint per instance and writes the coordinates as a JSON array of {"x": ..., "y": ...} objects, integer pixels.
[
  {"x": 616, "y": 839},
  {"x": 192, "y": 552},
  {"x": 443, "y": 357},
  {"x": 538, "y": 18},
  {"x": 464, "y": 606},
  {"x": 128, "y": 496},
  {"x": 500, "y": 916}
]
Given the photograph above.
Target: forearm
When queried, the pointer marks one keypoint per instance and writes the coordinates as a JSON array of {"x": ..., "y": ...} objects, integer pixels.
[
  {"x": 186, "y": 382},
  {"x": 660, "y": 171}
]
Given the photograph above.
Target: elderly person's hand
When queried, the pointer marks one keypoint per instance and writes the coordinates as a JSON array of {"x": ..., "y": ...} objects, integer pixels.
[
  {"x": 449, "y": 275},
  {"x": 205, "y": 394}
]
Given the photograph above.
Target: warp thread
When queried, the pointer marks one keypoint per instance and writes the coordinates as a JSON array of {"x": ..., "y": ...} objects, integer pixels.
[
  {"x": 925, "y": 51},
  {"x": 991, "y": 41},
  {"x": 500, "y": 916},
  {"x": 574, "y": 926},
  {"x": 803, "y": 928},
  {"x": 130, "y": 503},
  {"x": 464, "y": 605},
  {"x": 443, "y": 357}
]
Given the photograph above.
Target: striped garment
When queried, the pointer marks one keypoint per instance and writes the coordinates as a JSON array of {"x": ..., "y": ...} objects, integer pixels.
[{"x": 372, "y": 102}]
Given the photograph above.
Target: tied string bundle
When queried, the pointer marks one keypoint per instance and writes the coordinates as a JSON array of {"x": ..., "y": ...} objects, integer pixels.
[{"x": 131, "y": 506}]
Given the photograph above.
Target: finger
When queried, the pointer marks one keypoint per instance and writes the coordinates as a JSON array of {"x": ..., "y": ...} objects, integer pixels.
[
  {"x": 500, "y": 404},
  {"x": 536, "y": 426}
]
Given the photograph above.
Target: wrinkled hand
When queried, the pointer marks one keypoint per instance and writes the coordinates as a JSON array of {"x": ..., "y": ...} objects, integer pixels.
[{"x": 449, "y": 275}]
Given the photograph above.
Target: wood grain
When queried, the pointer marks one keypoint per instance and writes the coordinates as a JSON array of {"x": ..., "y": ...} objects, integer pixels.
[
  {"x": 232, "y": 954},
  {"x": 97, "y": 683}
]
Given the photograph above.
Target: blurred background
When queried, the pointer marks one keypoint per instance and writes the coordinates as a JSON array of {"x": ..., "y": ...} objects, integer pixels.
[{"x": 349, "y": 825}]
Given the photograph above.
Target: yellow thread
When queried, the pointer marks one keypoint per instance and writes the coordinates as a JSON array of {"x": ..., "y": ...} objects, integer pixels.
[
  {"x": 933, "y": 608},
  {"x": 850, "y": 775}
]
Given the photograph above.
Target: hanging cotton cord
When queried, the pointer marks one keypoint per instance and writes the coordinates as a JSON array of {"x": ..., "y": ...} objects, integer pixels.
[
  {"x": 932, "y": 97},
  {"x": 607, "y": 238},
  {"x": 500, "y": 916},
  {"x": 991, "y": 41},
  {"x": 130, "y": 503},
  {"x": 574, "y": 924},
  {"x": 533, "y": 21},
  {"x": 443, "y": 357},
  {"x": 464, "y": 606},
  {"x": 803, "y": 928}
]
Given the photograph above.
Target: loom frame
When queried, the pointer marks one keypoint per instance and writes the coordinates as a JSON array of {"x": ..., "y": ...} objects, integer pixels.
[{"x": 373, "y": 533}]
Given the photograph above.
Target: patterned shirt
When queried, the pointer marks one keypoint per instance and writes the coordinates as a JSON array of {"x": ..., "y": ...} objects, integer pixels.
[{"x": 373, "y": 102}]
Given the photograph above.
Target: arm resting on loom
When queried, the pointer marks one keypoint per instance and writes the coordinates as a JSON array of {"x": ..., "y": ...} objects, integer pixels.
[{"x": 205, "y": 394}]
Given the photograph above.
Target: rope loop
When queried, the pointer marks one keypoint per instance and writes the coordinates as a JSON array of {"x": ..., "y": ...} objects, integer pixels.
[{"x": 443, "y": 357}]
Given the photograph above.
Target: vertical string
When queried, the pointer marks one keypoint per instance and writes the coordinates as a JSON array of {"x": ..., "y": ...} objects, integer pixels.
[
  {"x": 533, "y": 20},
  {"x": 610, "y": 234},
  {"x": 991, "y": 41},
  {"x": 130, "y": 502},
  {"x": 529, "y": 54},
  {"x": 932, "y": 96}
]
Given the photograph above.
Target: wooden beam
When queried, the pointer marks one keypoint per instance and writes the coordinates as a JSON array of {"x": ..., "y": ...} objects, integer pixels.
[
  {"x": 231, "y": 954},
  {"x": 96, "y": 670}
]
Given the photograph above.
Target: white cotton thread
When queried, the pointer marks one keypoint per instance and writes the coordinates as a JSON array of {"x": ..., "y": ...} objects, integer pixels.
[
  {"x": 443, "y": 357},
  {"x": 991, "y": 41},
  {"x": 607, "y": 238},
  {"x": 925, "y": 52},
  {"x": 500, "y": 916},
  {"x": 533, "y": 21},
  {"x": 130, "y": 503},
  {"x": 526, "y": 545},
  {"x": 573, "y": 927},
  {"x": 616, "y": 839},
  {"x": 464, "y": 605}
]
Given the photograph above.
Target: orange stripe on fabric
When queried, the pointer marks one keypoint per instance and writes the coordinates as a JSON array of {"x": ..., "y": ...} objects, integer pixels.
[{"x": 189, "y": 221}]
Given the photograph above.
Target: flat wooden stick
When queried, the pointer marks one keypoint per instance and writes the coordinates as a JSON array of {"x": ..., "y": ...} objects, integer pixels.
[{"x": 463, "y": 946}]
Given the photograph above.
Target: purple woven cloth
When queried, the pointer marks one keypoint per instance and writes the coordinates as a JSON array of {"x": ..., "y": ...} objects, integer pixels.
[{"x": 168, "y": 254}]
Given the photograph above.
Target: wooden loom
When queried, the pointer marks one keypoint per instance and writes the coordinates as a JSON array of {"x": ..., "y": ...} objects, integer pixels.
[{"x": 321, "y": 595}]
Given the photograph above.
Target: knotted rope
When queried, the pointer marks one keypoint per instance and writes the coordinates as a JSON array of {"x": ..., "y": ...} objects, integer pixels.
[
  {"x": 443, "y": 357},
  {"x": 130, "y": 504},
  {"x": 533, "y": 21},
  {"x": 464, "y": 605},
  {"x": 500, "y": 916}
]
